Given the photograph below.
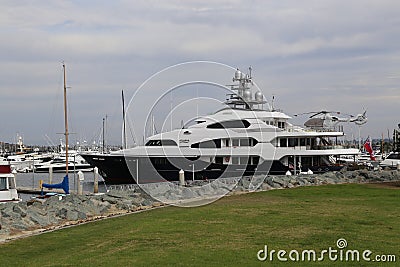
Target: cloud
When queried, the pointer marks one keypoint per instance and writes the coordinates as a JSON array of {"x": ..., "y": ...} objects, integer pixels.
[{"x": 314, "y": 51}]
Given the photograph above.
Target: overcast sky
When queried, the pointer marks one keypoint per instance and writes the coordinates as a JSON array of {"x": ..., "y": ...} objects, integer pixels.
[{"x": 312, "y": 55}]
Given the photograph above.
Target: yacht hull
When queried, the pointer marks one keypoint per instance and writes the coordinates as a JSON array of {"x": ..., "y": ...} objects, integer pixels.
[{"x": 124, "y": 170}]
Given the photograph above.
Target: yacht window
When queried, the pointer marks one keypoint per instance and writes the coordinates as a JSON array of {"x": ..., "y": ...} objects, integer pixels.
[
  {"x": 235, "y": 142},
  {"x": 302, "y": 141},
  {"x": 219, "y": 160},
  {"x": 165, "y": 142},
  {"x": 216, "y": 143},
  {"x": 230, "y": 124},
  {"x": 394, "y": 156},
  {"x": 235, "y": 160},
  {"x": 168, "y": 143},
  {"x": 281, "y": 124},
  {"x": 244, "y": 142},
  {"x": 254, "y": 142},
  {"x": 308, "y": 141},
  {"x": 244, "y": 160},
  {"x": 192, "y": 158},
  {"x": 159, "y": 161},
  {"x": 3, "y": 183},
  {"x": 293, "y": 142},
  {"x": 283, "y": 142},
  {"x": 11, "y": 183},
  {"x": 58, "y": 160},
  {"x": 255, "y": 160}
]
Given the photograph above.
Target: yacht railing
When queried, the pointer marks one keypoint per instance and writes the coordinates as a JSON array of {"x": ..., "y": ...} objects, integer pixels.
[
  {"x": 325, "y": 147},
  {"x": 300, "y": 129}
]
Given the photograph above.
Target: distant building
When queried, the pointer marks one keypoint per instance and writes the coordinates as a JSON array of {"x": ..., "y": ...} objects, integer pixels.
[{"x": 396, "y": 139}]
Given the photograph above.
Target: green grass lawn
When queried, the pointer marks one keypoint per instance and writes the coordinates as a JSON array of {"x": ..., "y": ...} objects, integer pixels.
[{"x": 228, "y": 232}]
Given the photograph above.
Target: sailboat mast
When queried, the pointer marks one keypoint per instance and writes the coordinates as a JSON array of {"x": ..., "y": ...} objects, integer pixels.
[
  {"x": 123, "y": 121},
  {"x": 104, "y": 145},
  {"x": 66, "y": 122}
]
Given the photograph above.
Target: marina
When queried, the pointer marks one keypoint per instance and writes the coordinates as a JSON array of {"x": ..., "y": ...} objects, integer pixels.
[
  {"x": 247, "y": 137},
  {"x": 200, "y": 133}
]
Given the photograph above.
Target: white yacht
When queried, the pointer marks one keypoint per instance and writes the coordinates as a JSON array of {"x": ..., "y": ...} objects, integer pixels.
[
  {"x": 8, "y": 190},
  {"x": 241, "y": 139},
  {"x": 58, "y": 164},
  {"x": 391, "y": 161}
]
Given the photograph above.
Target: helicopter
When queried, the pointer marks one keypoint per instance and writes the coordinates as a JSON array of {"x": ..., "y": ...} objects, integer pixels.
[
  {"x": 327, "y": 119},
  {"x": 360, "y": 119}
]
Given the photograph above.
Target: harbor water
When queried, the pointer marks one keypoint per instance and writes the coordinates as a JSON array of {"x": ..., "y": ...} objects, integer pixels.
[{"x": 31, "y": 181}]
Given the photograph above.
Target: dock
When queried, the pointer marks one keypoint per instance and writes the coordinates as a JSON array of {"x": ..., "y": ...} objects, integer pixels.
[{"x": 37, "y": 191}]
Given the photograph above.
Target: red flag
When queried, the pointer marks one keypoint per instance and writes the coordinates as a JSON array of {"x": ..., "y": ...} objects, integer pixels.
[{"x": 367, "y": 146}]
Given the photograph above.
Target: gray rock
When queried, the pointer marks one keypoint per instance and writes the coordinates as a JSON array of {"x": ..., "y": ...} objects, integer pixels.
[
  {"x": 266, "y": 186},
  {"x": 7, "y": 210},
  {"x": 280, "y": 181},
  {"x": 364, "y": 173},
  {"x": 276, "y": 185},
  {"x": 270, "y": 181},
  {"x": 36, "y": 204},
  {"x": 20, "y": 225},
  {"x": 81, "y": 215},
  {"x": 37, "y": 218},
  {"x": 109, "y": 199},
  {"x": 125, "y": 205},
  {"x": 340, "y": 175},
  {"x": 300, "y": 181},
  {"x": 62, "y": 213},
  {"x": 187, "y": 193},
  {"x": 97, "y": 207},
  {"x": 146, "y": 202},
  {"x": 20, "y": 209},
  {"x": 72, "y": 215},
  {"x": 117, "y": 194},
  {"x": 290, "y": 185}
]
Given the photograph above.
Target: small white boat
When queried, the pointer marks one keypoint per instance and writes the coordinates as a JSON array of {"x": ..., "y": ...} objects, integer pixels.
[
  {"x": 8, "y": 189},
  {"x": 58, "y": 164},
  {"x": 391, "y": 161}
]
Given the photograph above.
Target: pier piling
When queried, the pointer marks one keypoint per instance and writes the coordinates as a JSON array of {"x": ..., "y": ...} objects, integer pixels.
[
  {"x": 50, "y": 174},
  {"x": 96, "y": 180},
  {"x": 81, "y": 178},
  {"x": 181, "y": 178}
]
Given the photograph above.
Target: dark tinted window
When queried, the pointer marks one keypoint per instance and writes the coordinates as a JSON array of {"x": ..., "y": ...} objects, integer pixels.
[
  {"x": 394, "y": 156},
  {"x": 219, "y": 160},
  {"x": 216, "y": 143},
  {"x": 283, "y": 142},
  {"x": 161, "y": 143},
  {"x": 230, "y": 124},
  {"x": 293, "y": 142}
]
